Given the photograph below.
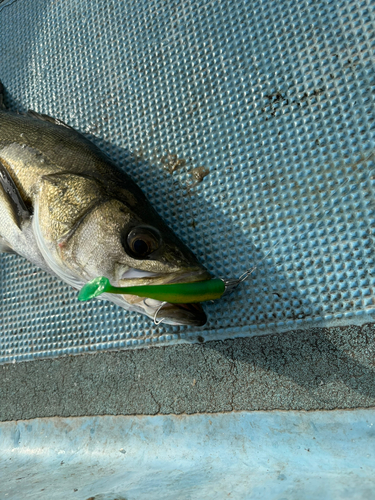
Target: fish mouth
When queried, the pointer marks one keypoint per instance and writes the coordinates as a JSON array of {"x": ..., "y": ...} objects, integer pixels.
[
  {"x": 165, "y": 312},
  {"x": 181, "y": 314},
  {"x": 133, "y": 277},
  {"x": 175, "y": 314}
]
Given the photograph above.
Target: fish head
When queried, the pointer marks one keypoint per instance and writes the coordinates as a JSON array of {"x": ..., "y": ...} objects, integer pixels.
[{"x": 130, "y": 244}]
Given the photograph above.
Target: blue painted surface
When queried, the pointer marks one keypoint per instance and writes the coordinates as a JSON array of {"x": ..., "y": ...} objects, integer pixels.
[
  {"x": 274, "y": 455},
  {"x": 275, "y": 98}
]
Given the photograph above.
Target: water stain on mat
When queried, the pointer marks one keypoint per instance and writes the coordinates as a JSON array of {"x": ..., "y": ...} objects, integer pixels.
[
  {"x": 278, "y": 100},
  {"x": 171, "y": 162},
  {"x": 199, "y": 173}
]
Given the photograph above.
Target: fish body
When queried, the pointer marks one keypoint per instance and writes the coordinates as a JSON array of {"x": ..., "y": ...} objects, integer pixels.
[{"x": 67, "y": 208}]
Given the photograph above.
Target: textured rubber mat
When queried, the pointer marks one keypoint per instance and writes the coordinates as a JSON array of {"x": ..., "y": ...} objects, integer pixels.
[{"x": 249, "y": 125}]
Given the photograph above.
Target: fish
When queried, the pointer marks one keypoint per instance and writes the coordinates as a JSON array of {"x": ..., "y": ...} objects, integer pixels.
[{"x": 69, "y": 209}]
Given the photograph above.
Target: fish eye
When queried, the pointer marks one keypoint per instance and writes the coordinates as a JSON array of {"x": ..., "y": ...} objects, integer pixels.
[{"x": 141, "y": 241}]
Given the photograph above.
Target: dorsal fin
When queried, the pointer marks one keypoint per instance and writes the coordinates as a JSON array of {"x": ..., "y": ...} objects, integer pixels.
[
  {"x": 47, "y": 118},
  {"x": 2, "y": 105}
]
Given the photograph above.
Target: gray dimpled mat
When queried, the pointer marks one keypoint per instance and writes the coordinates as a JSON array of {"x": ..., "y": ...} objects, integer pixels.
[{"x": 240, "y": 120}]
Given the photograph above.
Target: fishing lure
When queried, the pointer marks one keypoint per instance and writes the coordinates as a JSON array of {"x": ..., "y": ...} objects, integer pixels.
[{"x": 175, "y": 293}]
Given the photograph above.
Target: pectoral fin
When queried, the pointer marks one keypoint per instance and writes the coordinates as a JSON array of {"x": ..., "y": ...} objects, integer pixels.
[{"x": 13, "y": 199}]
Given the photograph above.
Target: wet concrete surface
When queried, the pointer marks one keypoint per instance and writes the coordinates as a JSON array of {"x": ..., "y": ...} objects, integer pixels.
[{"x": 318, "y": 369}]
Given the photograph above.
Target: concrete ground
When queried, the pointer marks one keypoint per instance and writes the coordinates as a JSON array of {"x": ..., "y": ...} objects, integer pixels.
[{"x": 301, "y": 370}]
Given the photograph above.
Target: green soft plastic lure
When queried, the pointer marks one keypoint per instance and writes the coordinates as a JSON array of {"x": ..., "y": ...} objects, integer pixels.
[{"x": 176, "y": 293}]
